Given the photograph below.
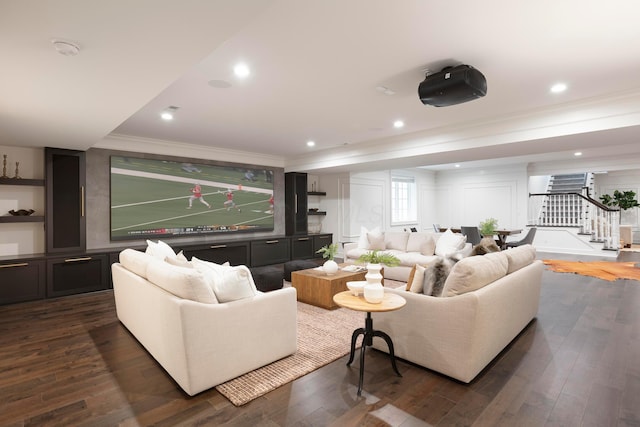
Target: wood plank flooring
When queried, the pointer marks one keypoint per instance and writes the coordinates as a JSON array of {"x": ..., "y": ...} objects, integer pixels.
[{"x": 69, "y": 362}]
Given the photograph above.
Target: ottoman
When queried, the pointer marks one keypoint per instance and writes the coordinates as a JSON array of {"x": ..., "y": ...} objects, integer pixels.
[
  {"x": 300, "y": 264},
  {"x": 268, "y": 278}
]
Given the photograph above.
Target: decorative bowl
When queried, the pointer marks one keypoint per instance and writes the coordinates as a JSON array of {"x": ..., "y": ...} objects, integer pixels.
[
  {"x": 356, "y": 288},
  {"x": 21, "y": 212}
]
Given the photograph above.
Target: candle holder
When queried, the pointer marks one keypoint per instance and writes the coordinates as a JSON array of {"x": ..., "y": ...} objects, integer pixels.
[
  {"x": 4, "y": 166},
  {"x": 17, "y": 173}
]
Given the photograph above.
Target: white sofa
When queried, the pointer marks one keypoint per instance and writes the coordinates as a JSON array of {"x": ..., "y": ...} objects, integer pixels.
[
  {"x": 410, "y": 248},
  {"x": 200, "y": 342},
  {"x": 459, "y": 335}
]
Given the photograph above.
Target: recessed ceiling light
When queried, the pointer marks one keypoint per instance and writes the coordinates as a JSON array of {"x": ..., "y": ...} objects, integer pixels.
[
  {"x": 457, "y": 166},
  {"x": 311, "y": 144},
  {"x": 65, "y": 48},
  {"x": 167, "y": 114},
  {"x": 558, "y": 88},
  {"x": 241, "y": 70},
  {"x": 398, "y": 124},
  {"x": 577, "y": 153}
]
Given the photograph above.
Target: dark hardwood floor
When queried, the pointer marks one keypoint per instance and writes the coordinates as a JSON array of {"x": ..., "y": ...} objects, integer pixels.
[{"x": 69, "y": 362}]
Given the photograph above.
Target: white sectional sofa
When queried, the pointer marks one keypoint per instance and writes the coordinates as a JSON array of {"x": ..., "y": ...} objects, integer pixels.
[
  {"x": 410, "y": 248},
  {"x": 488, "y": 301},
  {"x": 176, "y": 315}
]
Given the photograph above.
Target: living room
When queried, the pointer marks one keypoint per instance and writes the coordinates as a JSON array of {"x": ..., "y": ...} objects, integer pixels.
[{"x": 102, "y": 96}]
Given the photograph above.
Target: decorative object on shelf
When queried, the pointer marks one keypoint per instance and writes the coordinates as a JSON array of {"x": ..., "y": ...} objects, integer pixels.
[
  {"x": 328, "y": 252},
  {"x": 488, "y": 227},
  {"x": 17, "y": 173},
  {"x": 21, "y": 212},
  {"x": 4, "y": 166},
  {"x": 373, "y": 289},
  {"x": 313, "y": 209},
  {"x": 315, "y": 228}
]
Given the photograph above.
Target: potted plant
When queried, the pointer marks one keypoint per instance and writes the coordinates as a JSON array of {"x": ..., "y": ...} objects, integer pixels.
[
  {"x": 488, "y": 227},
  {"x": 622, "y": 199},
  {"x": 373, "y": 289},
  {"x": 329, "y": 252}
]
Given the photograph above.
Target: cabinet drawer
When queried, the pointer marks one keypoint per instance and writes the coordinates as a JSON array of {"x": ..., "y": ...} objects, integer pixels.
[
  {"x": 321, "y": 240},
  {"x": 77, "y": 274},
  {"x": 270, "y": 251},
  {"x": 302, "y": 247},
  {"x": 22, "y": 281},
  {"x": 234, "y": 253}
]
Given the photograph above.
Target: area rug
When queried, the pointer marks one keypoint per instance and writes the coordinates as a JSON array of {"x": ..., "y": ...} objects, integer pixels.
[
  {"x": 605, "y": 270},
  {"x": 323, "y": 336}
]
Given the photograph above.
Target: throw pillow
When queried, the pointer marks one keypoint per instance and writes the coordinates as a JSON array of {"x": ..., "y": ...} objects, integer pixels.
[
  {"x": 486, "y": 246},
  {"x": 449, "y": 243},
  {"x": 160, "y": 250},
  {"x": 186, "y": 283},
  {"x": 228, "y": 283},
  {"x": 396, "y": 240},
  {"x": 417, "y": 280},
  {"x": 363, "y": 241},
  {"x": 178, "y": 262},
  {"x": 435, "y": 276},
  {"x": 376, "y": 241},
  {"x": 422, "y": 243},
  {"x": 472, "y": 273}
]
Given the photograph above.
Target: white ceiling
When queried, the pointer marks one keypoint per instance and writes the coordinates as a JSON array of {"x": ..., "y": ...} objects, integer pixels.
[{"x": 315, "y": 68}]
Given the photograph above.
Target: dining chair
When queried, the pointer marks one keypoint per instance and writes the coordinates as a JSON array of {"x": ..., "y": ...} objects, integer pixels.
[
  {"x": 527, "y": 240},
  {"x": 472, "y": 233}
]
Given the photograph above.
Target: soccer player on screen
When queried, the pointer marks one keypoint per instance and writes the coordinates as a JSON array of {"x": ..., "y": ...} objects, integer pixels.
[
  {"x": 196, "y": 193},
  {"x": 229, "y": 203}
]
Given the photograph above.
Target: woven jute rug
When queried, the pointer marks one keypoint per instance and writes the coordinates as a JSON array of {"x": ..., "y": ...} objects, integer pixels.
[
  {"x": 323, "y": 336},
  {"x": 605, "y": 270}
]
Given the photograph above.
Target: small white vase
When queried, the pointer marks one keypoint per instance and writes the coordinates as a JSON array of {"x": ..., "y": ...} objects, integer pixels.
[
  {"x": 330, "y": 267},
  {"x": 373, "y": 289}
]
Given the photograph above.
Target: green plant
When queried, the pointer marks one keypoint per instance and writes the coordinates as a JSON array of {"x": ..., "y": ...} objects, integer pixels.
[
  {"x": 328, "y": 251},
  {"x": 375, "y": 257},
  {"x": 622, "y": 199},
  {"x": 488, "y": 226}
]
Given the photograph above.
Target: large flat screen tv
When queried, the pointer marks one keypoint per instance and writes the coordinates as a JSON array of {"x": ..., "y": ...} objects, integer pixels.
[{"x": 153, "y": 198}]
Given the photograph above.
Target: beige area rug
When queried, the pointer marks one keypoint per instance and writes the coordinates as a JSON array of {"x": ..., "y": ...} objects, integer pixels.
[{"x": 323, "y": 336}]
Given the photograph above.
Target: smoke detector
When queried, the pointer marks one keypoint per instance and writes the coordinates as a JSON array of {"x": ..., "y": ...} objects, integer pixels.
[{"x": 65, "y": 48}]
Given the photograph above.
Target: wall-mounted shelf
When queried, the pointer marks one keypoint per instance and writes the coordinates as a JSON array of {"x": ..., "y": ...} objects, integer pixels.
[
  {"x": 22, "y": 181},
  {"x": 317, "y": 213},
  {"x": 316, "y": 193},
  {"x": 21, "y": 218}
]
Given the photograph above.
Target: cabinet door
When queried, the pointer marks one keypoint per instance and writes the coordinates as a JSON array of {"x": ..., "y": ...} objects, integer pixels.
[
  {"x": 271, "y": 251},
  {"x": 321, "y": 240},
  {"x": 236, "y": 253},
  {"x": 21, "y": 281},
  {"x": 65, "y": 194},
  {"x": 295, "y": 203},
  {"x": 302, "y": 247},
  {"x": 74, "y": 275}
]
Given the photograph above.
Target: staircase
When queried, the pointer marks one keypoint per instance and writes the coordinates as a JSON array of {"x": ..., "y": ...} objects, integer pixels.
[{"x": 563, "y": 211}]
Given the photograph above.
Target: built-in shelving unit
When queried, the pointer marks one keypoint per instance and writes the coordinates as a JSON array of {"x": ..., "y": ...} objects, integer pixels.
[{"x": 22, "y": 181}]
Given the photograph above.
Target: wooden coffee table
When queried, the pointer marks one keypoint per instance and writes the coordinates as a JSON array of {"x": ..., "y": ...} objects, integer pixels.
[{"x": 315, "y": 287}]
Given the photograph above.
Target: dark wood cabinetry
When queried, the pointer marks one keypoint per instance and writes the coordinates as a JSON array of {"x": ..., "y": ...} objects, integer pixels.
[
  {"x": 65, "y": 199},
  {"x": 302, "y": 247},
  {"x": 321, "y": 240},
  {"x": 236, "y": 253},
  {"x": 77, "y": 274},
  {"x": 269, "y": 251},
  {"x": 22, "y": 280},
  {"x": 295, "y": 199}
]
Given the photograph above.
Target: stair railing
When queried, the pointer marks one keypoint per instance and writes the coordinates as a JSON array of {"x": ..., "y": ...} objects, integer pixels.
[{"x": 571, "y": 209}]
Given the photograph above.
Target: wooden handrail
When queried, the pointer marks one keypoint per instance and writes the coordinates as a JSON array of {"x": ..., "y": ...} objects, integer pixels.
[{"x": 588, "y": 199}]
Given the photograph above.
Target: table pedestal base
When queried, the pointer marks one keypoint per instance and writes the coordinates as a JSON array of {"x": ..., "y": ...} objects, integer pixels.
[{"x": 367, "y": 341}]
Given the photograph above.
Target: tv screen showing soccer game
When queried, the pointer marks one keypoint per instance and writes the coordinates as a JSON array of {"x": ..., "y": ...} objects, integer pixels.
[{"x": 160, "y": 198}]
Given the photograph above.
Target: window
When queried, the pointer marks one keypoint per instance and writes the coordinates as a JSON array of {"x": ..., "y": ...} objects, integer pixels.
[{"x": 403, "y": 200}]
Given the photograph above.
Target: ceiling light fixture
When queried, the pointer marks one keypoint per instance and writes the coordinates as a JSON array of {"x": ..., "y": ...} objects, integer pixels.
[
  {"x": 558, "y": 88},
  {"x": 65, "y": 48},
  {"x": 311, "y": 144},
  {"x": 578, "y": 153},
  {"x": 241, "y": 70},
  {"x": 398, "y": 124},
  {"x": 167, "y": 114},
  {"x": 457, "y": 166},
  {"x": 385, "y": 90}
]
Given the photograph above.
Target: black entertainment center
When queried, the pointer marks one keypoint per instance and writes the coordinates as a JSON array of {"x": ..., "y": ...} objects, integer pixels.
[{"x": 69, "y": 268}]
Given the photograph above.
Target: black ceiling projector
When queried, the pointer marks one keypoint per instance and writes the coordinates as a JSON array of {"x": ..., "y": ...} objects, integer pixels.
[{"x": 452, "y": 85}]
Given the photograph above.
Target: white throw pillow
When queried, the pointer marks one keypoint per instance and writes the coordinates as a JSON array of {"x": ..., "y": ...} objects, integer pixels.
[
  {"x": 187, "y": 283},
  {"x": 363, "y": 242},
  {"x": 449, "y": 243},
  {"x": 376, "y": 241},
  {"x": 228, "y": 283},
  {"x": 417, "y": 281},
  {"x": 160, "y": 250}
]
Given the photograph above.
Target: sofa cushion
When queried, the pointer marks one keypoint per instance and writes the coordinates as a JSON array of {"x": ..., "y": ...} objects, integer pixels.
[
  {"x": 135, "y": 261},
  {"x": 187, "y": 283},
  {"x": 413, "y": 258},
  {"x": 449, "y": 243},
  {"x": 519, "y": 257},
  {"x": 160, "y": 250},
  {"x": 396, "y": 240},
  {"x": 472, "y": 273},
  {"x": 422, "y": 243},
  {"x": 376, "y": 241},
  {"x": 363, "y": 241},
  {"x": 228, "y": 283}
]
